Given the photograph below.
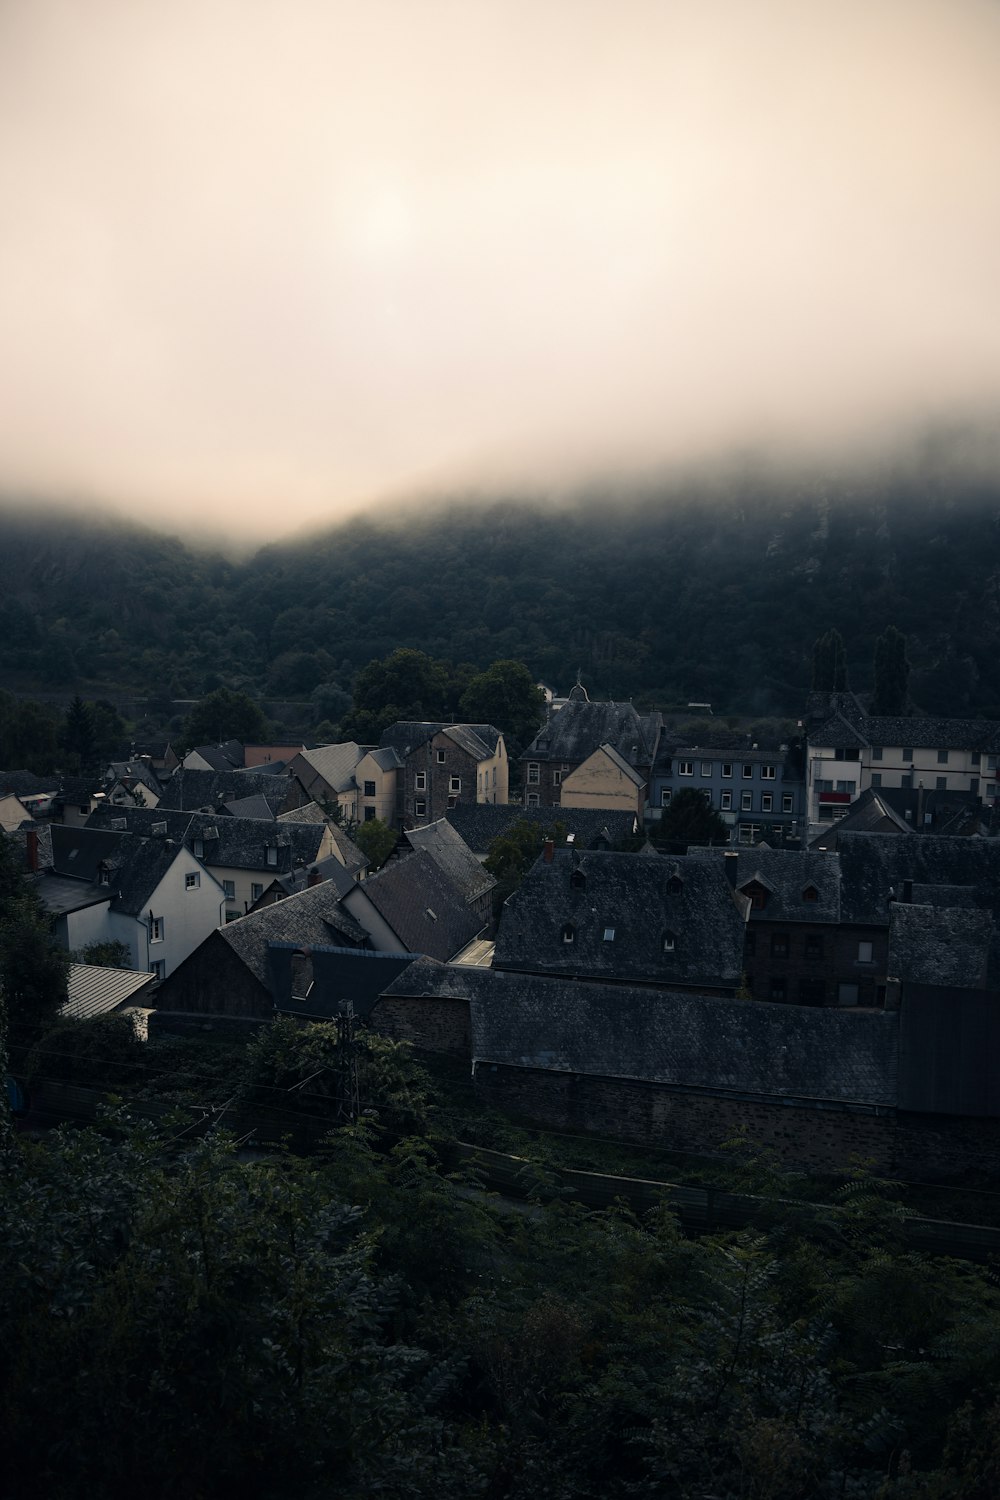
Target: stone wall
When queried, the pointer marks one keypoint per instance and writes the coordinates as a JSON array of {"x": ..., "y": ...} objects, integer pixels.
[{"x": 434, "y": 1024}]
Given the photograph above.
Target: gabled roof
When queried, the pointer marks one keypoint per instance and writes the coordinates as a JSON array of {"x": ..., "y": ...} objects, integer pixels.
[
  {"x": 424, "y": 908},
  {"x": 785, "y": 874},
  {"x": 128, "y": 772},
  {"x": 684, "y": 1040},
  {"x": 407, "y": 735},
  {"x": 237, "y": 843},
  {"x": 331, "y": 764},
  {"x": 579, "y": 728},
  {"x": 311, "y": 812},
  {"x": 641, "y": 902},
  {"x": 190, "y": 790},
  {"x": 619, "y": 762},
  {"x": 264, "y": 809},
  {"x": 92, "y": 990},
  {"x": 314, "y": 916},
  {"x": 27, "y": 784},
  {"x": 940, "y": 945},
  {"x": 848, "y": 723},
  {"x": 874, "y": 867},
  {"x": 226, "y": 757},
  {"x": 338, "y": 974},
  {"x": 353, "y": 858},
  {"x": 135, "y": 865},
  {"x": 870, "y": 813},
  {"x": 385, "y": 758},
  {"x": 480, "y": 823},
  {"x": 450, "y": 851}
]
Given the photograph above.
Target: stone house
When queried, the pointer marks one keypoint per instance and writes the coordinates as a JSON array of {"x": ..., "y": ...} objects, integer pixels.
[
  {"x": 444, "y": 765},
  {"x": 571, "y": 736}
]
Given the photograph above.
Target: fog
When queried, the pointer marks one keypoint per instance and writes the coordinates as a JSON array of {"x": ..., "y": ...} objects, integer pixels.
[{"x": 264, "y": 263}]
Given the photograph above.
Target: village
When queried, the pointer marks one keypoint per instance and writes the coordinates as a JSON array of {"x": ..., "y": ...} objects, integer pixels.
[{"x": 823, "y": 973}]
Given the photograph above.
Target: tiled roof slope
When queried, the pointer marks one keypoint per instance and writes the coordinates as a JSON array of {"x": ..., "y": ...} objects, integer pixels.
[
  {"x": 480, "y": 823},
  {"x": 870, "y": 813},
  {"x": 27, "y": 784},
  {"x": 579, "y": 728},
  {"x": 136, "y": 865},
  {"x": 407, "y": 735},
  {"x": 450, "y": 851},
  {"x": 334, "y": 764},
  {"x": 191, "y": 790},
  {"x": 941, "y": 946},
  {"x": 314, "y": 916},
  {"x": 354, "y": 974},
  {"x": 873, "y": 864},
  {"x": 786, "y": 874},
  {"x": 641, "y": 901},
  {"x": 238, "y": 843},
  {"x": 847, "y": 723},
  {"x": 686, "y": 1040},
  {"x": 422, "y": 906}
]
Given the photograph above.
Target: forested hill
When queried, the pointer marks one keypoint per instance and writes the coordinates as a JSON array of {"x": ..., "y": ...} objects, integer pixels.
[{"x": 714, "y": 599}]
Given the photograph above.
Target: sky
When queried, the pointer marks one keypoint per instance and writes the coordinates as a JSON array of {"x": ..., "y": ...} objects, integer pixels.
[{"x": 264, "y": 263}]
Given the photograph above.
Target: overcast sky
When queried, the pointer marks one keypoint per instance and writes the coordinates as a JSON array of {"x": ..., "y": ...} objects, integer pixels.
[{"x": 262, "y": 261}]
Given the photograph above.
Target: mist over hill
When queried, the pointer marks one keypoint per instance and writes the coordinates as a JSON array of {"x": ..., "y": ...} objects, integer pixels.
[{"x": 716, "y": 595}]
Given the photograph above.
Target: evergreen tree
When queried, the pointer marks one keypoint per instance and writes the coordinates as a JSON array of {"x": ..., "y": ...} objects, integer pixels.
[
  {"x": 892, "y": 673},
  {"x": 77, "y": 736},
  {"x": 225, "y": 715},
  {"x": 829, "y": 673}
]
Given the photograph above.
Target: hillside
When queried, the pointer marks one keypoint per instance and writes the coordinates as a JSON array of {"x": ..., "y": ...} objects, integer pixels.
[{"x": 711, "y": 596}]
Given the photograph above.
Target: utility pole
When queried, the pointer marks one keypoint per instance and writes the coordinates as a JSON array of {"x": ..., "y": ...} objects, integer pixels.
[{"x": 349, "y": 1093}]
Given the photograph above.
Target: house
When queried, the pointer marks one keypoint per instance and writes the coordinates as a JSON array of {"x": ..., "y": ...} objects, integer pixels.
[
  {"x": 151, "y": 894},
  {"x": 674, "y": 923},
  {"x": 132, "y": 783},
  {"x": 159, "y": 753},
  {"x": 376, "y": 776},
  {"x": 444, "y": 765},
  {"x": 850, "y": 750},
  {"x": 412, "y": 906},
  {"x": 757, "y": 793},
  {"x": 326, "y": 775},
  {"x": 36, "y": 793},
  {"x": 209, "y": 791},
  {"x": 225, "y": 757},
  {"x": 587, "y": 828},
  {"x": 13, "y": 812},
  {"x": 571, "y": 736},
  {"x": 870, "y": 813},
  {"x": 452, "y": 855},
  {"x": 228, "y": 977},
  {"x": 78, "y": 797},
  {"x": 604, "y": 780},
  {"x": 271, "y": 756}
]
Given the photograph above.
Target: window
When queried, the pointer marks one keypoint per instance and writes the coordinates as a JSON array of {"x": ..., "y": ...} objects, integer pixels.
[
  {"x": 864, "y": 953},
  {"x": 779, "y": 988},
  {"x": 369, "y": 788},
  {"x": 942, "y": 757},
  {"x": 812, "y": 992},
  {"x": 727, "y": 768},
  {"x": 847, "y": 786},
  {"x": 975, "y": 758},
  {"x": 766, "y": 802},
  {"x": 232, "y": 916},
  {"x": 876, "y": 752},
  {"x": 851, "y": 753},
  {"x": 578, "y": 881},
  {"x": 779, "y": 945},
  {"x": 533, "y": 773},
  {"x": 908, "y": 752},
  {"x": 685, "y": 768},
  {"x": 767, "y": 772},
  {"x": 454, "y": 783},
  {"x": 669, "y": 942},
  {"x": 876, "y": 778},
  {"x": 557, "y": 778},
  {"x": 256, "y": 891},
  {"x": 726, "y": 801},
  {"x": 198, "y": 848},
  {"x": 156, "y": 929},
  {"x": 272, "y": 854},
  {"x": 706, "y": 768},
  {"x": 786, "y": 802},
  {"x": 810, "y": 893},
  {"x": 568, "y": 933},
  {"x": 814, "y": 946},
  {"x": 665, "y": 796},
  {"x": 758, "y": 897},
  {"x": 370, "y": 815},
  {"x": 746, "y": 801},
  {"x": 674, "y": 885},
  {"x": 192, "y": 881},
  {"x": 748, "y": 773},
  {"x": 940, "y": 783},
  {"x": 420, "y": 781},
  {"x": 158, "y": 967},
  {"x": 229, "y": 889},
  {"x": 420, "y": 808},
  {"x": 609, "y": 934},
  {"x": 824, "y": 786},
  {"x": 439, "y": 756},
  {"x": 532, "y": 799},
  {"x": 847, "y": 994}
]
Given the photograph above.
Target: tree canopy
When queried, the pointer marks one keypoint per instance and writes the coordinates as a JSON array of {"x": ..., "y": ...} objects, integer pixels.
[
  {"x": 226, "y": 715},
  {"x": 691, "y": 819},
  {"x": 892, "y": 674}
]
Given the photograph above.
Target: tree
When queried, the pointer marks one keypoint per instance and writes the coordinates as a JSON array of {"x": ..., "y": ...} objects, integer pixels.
[
  {"x": 512, "y": 854},
  {"x": 225, "y": 715},
  {"x": 32, "y": 966},
  {"x": 691, "y": 819},
  {"x": 892, "y": 673},
  {"x": 376, "y": 840},
  {"x": 109, "y": 955},
  {"x": 829, "y": 663},
  {"x": 77, "y": 737},
  {"x": 405, "y": 685},
  {"x": 505, "y": 695}
]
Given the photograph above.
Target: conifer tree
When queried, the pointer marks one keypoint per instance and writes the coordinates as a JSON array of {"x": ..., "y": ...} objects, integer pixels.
[{"x": 892, "y": 673}]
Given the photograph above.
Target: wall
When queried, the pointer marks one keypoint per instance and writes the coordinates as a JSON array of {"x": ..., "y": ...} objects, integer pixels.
[
  {"x": 598, "y": 782},
  {"x": 188, "y": 915},
  {"x": 436, "y": 1024},
  {"x": 214, "y": 982}
]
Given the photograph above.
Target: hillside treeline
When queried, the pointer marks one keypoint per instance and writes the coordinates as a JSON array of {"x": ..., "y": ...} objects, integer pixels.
[{"x": 709, "y": 596}]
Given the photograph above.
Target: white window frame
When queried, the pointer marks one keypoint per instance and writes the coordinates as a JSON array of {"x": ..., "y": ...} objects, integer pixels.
[
  {"x": 532, "y": 799},
  {"x": 766, "y": 802},
  {"x": 666, "y": 796},
  {"x": 747, "y": 770},
  {"x": 420, "y": 808},
  {"x": 440, "y": 756},
  {"x": 726, "y": 801},
  {"x": 727, "y": 768},
  {"x": 534, "y": 773},
  {"x": 685, "y": 768},
  {"x": 420, "y": 781},
  {"x": 192, "y": 880},
  {"x": 158, "y": 967},
  {"x": 746, "y": 801},
  {"x": 706, "y": 768},
  {"x": 454, "y": 783},
  {"x": 156, "y": 929},
  {"x": 786, "y": 802},
  {"x": 768, "y": 773}
]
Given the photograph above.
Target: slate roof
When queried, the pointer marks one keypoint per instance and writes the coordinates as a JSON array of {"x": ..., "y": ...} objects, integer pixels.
[
  {"x": 331, "y": 764},
  {"x": 785, "y": 874},
  {"x": 238, "y": 843},
  {"x": 848, "y": 723},
  {"x": 873, "y": 864},
  {"x": 340, "y": 974},
  {"x": 136, "y": 865},
  {"x": 685, "y": 1040},
  {"x": 424, "y": 908},
  {"x": 128, "y": 772},
  {"x": 314, "y": 916},
  {"x": 60, "y": 894},
  {"x": 92, "y": 990},
  {"x": 264, "y": 809},
  {"x": 310, "y": 813},
  {"x": 386, "y": 758},
  {"x": 633, "y": 897},
  {"x": 191, "y": 790},
  {"x": 450, "y": 851},
  {"x": 330, "y": 869},
  {"x": 870, "y": 813},
  {"x": 480, "y": 823},
  {"x": 939, "y": 945},
  {"x": 27, "y": 784},
  {"x": 579, "y": 728},
  {"x": 226, "y": 757},
  {"x": 407, "y": 735},
  {"x": 354, "y": 858}
]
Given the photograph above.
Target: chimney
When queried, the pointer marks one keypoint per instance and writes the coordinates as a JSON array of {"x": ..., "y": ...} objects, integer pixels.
[
  {"x": 731, "y": 863},
  {"x": 920, "y": 804},
  {"x": 548, "y": 851},
  {"x": 314, "y": 876},
  {"x": 31, "y": 850}
]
